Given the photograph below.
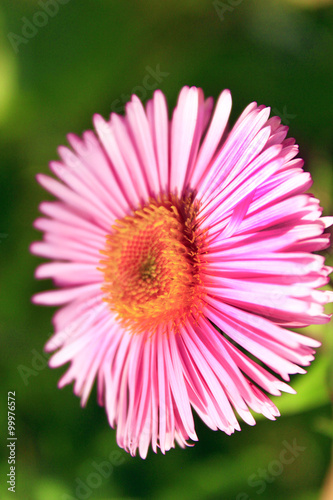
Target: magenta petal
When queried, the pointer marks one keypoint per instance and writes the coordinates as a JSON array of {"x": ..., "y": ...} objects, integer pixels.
[{"x": 242, "y": 231}]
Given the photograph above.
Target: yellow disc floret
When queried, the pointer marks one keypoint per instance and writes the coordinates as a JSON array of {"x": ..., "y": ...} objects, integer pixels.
[{"x": 152, "y": 265}]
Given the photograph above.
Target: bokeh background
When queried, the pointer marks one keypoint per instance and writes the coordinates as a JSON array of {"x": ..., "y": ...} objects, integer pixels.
[{"x": 88, "y": 57}]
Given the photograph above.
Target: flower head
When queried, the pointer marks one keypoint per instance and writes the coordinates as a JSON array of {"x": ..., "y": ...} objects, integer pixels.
[{"x": 177, "y": 247}]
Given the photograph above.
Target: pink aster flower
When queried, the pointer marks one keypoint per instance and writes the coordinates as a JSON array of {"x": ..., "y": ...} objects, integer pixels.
[{"x": 177, "y": 247}]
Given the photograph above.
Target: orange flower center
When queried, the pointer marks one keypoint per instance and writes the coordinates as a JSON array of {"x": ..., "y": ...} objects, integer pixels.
[{"x": 152, "y": 266}]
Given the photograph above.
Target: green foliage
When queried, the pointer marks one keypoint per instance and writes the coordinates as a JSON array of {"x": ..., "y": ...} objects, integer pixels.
[{"x": 88, "y": 57}]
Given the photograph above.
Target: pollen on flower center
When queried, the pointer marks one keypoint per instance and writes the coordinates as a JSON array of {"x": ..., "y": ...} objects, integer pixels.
[{"x": 152, "y": 265}]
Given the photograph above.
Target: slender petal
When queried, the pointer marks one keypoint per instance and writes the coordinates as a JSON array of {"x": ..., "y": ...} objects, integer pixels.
[{"x": 182, "y": 254}]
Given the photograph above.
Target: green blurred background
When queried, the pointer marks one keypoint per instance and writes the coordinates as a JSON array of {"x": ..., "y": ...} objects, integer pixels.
[{"x": 88, "y": 57}]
